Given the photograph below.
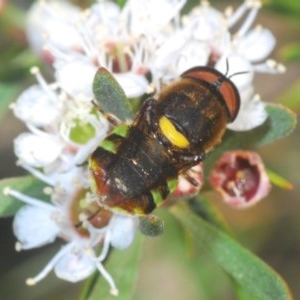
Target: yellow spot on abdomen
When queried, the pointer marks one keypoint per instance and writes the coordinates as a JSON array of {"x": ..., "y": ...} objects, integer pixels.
[{"x": 172, "y": 134}]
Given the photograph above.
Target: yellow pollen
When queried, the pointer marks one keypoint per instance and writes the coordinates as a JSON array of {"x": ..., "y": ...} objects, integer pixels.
[{"x": 172, "y": 134}]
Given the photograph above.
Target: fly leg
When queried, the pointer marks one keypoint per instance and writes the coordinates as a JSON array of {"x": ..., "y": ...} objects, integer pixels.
[{"x": 194, "y": 175}]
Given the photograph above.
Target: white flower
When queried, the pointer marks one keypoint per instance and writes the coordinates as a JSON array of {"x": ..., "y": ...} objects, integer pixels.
[
  {"x": 252, "y": 111},
  {"x": 64, "y": 125},
  {"x": 151, "y": 38},
  {"x": 76, "y": 78},
  {"x": 243, "y": 50},
  {"x": 70, "y": 217},
  {"x": 48, "y": 20},
  {"x": 37, "y": 150}
]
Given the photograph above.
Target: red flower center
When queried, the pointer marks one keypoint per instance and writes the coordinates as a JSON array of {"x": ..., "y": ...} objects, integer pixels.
[{"x": 242, "y": 178}]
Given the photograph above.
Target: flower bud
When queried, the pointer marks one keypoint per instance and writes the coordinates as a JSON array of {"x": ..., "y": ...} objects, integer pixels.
[{"x": 190, "y": 183}]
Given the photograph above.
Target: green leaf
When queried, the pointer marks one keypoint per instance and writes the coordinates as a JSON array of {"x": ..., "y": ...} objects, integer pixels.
[
  {"x": 281, "y": 122},
  {"x": 241, "y": 293},
  {"x": 123, "y": 266},
  {"x": 13, "y": 17},
  {"x": 247, "y": 270},
  {"x": 278, "y": 180},
  {"x": 121, "y": 3},
  {"x": 290, "y": 8},
  {"x": 290, "y": 52},
  {"x": 202, "y": 206},
  {"x": 27, "y": 185},
  {"x": 111, "y": 96},
  {"x": 290, "y": 97}
]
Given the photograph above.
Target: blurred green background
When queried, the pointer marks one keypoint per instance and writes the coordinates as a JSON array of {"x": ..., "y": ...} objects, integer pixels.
[{"x": 271, "y": 229}]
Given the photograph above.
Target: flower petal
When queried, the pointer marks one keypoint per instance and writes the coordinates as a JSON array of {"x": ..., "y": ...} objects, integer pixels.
[
  {"x": 252, "y": 114},
  {"x": 37, "y": 151},
  {"x": 50, "y": 20},
  {"x": 36, "y": 107},
  {"x": 35, "y": 226},
  {"x": 76, "y": 78},
  {"x": 122, "y": 230},
  {"x": 150, "y": 16},
  {"x": 209, "y": 23},
  {"x": 134, "y": 85},
  {"x": 257, "y": 44},
  {"x": 105, "y": 14},
  {"x": 194, "y": 53},
  {"x": 74, "y": 266}
]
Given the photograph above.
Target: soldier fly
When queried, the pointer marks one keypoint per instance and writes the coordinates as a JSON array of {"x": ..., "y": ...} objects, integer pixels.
[{"x": 136, "y": 167}]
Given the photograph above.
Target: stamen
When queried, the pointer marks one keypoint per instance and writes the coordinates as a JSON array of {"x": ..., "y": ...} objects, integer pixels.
[
  {"x": 58, "y": 53},
  {"x": 18, "y": 246},
  {"x": 231, "y": 185},
  {"x": 105, "y": 248},
  {"x": 205, "y": 3},
  {"x": 26, "y": 199},
  {"x": 82, "y": 217},
  {"x": 270, "y": 66},
  {"x": 96, "y": 234},
  {"x": 42, "y": 82},
  {"x": 48, "y": 190},
  {"x": 50, "y": 265},
  {"x": 36, "y": 173},
  {"x": 55, "y": 12},
  {"x": 12, "y": 105},
  {"x": 86, "y": 41},
  {"x": 233, "y": 18},
  {"x": 228, "y": 12},
  {"x": 37, "y": 131},
  {"x": 113, "y": 288},
  {"x": 255, "y": 6},
  {"x": 237, "y": 14},
  {"x": 140, "y": 54}
]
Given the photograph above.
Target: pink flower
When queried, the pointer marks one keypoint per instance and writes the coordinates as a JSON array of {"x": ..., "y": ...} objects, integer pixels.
[
  {"x": 240, "y": 178},
  {"x": 190, "y": 183}
]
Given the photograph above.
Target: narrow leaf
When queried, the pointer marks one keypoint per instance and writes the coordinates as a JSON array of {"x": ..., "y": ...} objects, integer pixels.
[
  {"x": 204, "y": 208},
  {"x": 123, "y": 266},
  {"x": 279, "y": 181},
  {"x": 248, "y": 270},
  {"x": 111, "y": 96},
  {"x": 27, "y": 185}
]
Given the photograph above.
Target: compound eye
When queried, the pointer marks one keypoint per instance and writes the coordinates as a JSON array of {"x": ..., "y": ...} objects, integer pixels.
[
  {"x": 175, "y": 137},
  {"x": 224, "y": 85}
]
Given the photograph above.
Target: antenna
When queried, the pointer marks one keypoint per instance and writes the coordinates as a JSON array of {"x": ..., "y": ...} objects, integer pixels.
[{"x": 234, "y": 74}]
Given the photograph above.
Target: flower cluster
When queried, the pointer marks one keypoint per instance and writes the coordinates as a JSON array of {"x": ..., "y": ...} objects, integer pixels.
[
  {"x": 145, "y": 45},
  {"x": 141, "y": 41},
  {"x": 70, "y": 217}
]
